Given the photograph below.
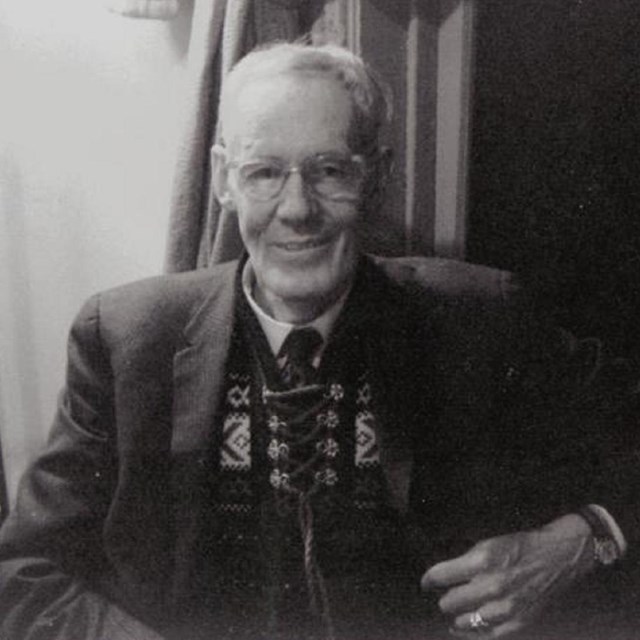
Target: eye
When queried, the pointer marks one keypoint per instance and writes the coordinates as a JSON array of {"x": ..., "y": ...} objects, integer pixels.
[
  {"x": 261, "y": 172},
  {"x": 332, "y": 169}
]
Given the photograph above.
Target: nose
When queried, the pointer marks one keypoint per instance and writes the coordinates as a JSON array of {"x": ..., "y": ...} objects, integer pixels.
[{"x": 295, "y": 205}]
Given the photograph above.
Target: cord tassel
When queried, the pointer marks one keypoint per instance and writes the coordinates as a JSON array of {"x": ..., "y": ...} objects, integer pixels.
[{"x": 315, "y": 580}]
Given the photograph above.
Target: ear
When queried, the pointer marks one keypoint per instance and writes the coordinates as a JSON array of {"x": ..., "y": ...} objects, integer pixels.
[{"x": 220, "y": 177}]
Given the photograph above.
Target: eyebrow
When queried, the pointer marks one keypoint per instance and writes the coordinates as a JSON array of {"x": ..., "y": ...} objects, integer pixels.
[{"x": 319, "y": 154}]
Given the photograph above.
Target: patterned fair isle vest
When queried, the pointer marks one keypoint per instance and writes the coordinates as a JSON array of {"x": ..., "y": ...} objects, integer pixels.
[{"x": 307, "y": 546}]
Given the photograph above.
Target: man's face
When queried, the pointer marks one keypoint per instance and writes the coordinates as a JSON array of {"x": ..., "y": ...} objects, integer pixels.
[{"x": 302, "y": 246}]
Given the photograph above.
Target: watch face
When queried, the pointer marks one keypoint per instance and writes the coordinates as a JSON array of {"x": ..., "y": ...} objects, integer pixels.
[{"x": 606, "y": 551}]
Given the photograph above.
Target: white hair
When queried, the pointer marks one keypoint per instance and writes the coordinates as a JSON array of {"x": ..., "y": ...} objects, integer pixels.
[{"x": 370, "y": 96}]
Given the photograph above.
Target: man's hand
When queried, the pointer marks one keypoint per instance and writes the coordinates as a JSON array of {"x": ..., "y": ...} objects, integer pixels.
[{"x": 508, "y": 580}]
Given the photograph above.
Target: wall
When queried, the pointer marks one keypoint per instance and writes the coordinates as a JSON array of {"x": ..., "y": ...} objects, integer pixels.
[{"x": 88, "y": 121}]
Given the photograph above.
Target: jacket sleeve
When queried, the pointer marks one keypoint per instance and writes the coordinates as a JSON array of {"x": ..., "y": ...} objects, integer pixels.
[{"x": 51, "y": 556}]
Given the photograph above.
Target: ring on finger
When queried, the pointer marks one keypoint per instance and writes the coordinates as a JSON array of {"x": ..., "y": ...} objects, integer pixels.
[{"x": 476, "y": 621}]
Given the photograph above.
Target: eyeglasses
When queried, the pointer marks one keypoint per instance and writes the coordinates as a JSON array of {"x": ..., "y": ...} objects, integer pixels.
[{"x": 331, "y": 176}]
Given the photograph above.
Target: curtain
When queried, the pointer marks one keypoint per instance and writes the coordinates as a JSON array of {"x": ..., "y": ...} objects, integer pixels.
[
  {"x": 4, "y": 498},
  {"x": 200, "y": 232}
]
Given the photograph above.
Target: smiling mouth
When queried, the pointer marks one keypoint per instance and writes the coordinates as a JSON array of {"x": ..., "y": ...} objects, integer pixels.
[{"x": 302, "y": 245}]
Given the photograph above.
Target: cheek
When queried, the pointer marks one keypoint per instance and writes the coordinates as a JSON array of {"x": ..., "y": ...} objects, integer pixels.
[{"x": 252, "y": 221}]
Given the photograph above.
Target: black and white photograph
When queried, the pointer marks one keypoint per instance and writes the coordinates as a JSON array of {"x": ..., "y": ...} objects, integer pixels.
[{"x": 318, "y": 319}]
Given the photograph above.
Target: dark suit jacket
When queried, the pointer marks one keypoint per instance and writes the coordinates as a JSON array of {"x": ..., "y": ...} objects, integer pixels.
[{"x": 490, "y": 423}]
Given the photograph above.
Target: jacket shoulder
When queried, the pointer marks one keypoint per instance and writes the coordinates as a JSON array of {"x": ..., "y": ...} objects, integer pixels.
[{"x": 152, "y": 308}]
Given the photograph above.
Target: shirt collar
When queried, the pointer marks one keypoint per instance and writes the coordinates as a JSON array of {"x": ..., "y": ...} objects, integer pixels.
[{"x": 275, "y": 330}]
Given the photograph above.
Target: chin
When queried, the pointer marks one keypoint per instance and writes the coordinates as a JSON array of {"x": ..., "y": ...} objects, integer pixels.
[{"x": 312, "y": 288}]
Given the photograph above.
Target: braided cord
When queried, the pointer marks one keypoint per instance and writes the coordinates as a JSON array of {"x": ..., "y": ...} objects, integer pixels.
[{"x": 316, "y": 584}]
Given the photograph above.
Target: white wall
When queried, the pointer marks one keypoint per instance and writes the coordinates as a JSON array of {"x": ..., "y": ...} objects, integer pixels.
[{"x": 89, "y": 112}]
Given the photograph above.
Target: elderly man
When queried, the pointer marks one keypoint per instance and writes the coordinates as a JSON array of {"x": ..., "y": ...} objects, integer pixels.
[{"x": 311, "y": 442}]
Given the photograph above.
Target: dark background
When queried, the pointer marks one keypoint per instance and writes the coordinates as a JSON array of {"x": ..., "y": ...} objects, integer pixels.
[{"x": 555, "y": 138}]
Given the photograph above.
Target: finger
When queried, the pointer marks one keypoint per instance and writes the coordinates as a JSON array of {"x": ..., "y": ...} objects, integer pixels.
[
  {"x": 505, "y": 629},
  {"x": 489, "y": 633},
  {"x": 480, "y": 590},
  {"x": 458, "y": 570},
  {"x": 492, "y": 614},
  {"x": 472, "y": 624},
  {"x": 516, "y": 585}
]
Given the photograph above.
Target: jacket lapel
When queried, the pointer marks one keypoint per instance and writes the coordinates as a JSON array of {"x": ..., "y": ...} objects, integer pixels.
[
  {"x": 390, "y": 344},
  {"x": 396, "y": 452},
  {"x": 198, "y": 367},
  {"x": 198, "y": 371}
]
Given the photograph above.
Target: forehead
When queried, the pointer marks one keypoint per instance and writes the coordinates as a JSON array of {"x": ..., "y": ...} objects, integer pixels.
[{"x": 291, "y": 110}]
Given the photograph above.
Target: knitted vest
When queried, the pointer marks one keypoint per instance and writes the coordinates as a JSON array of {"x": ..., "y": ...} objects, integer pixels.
[{"x": 307, "y": 545}]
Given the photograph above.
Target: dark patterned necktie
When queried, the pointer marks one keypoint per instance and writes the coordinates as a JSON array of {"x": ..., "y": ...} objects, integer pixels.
[{"x": 298, "y": 350}]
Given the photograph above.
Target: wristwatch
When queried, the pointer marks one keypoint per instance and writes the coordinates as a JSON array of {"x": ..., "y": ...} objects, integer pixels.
[{"x": 605, "y": 548}]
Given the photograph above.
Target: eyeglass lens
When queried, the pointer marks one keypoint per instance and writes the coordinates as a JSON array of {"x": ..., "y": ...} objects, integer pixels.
[{"x": 332, "y": 177}]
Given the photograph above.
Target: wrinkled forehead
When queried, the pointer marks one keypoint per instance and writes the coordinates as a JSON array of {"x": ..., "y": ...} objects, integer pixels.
[{"x": 257, "y": 105}]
